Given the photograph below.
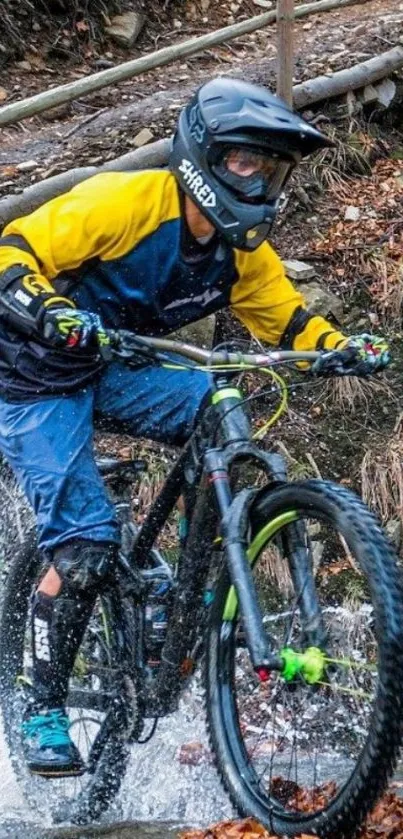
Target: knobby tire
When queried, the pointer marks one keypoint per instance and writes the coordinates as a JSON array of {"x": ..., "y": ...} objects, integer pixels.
[{"x": 346, "y": 811}]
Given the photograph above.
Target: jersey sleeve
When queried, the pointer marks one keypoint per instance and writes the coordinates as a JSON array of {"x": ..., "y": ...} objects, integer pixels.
[
  {"x": 102, "y": 217},
  {"x": 267, "y": 303}
]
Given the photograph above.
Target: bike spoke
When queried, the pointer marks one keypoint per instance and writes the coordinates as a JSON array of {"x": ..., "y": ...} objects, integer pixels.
[{"x": 302, "y": 739}]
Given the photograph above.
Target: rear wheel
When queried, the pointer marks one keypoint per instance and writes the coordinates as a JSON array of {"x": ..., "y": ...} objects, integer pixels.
[
  {"x": 310, "y": 750},
  {"x": 102, "y": 701}
]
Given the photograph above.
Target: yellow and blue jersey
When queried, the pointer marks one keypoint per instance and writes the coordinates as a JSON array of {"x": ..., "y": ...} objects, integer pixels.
[{"x": 114, "y": 245}]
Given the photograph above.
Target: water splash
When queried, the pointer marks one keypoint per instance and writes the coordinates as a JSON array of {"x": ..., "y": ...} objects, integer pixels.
[{"x": 158, "y": 785}]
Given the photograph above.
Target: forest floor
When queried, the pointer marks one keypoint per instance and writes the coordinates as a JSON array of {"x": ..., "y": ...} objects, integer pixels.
[{"x": 351, "y": 432}]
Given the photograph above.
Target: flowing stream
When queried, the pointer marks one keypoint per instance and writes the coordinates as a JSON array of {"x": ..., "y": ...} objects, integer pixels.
[{"x": 170, "y": 783}]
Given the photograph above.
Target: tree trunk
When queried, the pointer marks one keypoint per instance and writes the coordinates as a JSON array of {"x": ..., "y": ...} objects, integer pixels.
[
  {"x": 368, "y": 72},
  {"x": 285, "y": 49},
  {"x": 153, "y": 156}
]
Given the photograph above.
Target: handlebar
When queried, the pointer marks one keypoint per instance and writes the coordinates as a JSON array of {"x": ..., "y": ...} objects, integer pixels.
[{"x": 126, "y": 343}]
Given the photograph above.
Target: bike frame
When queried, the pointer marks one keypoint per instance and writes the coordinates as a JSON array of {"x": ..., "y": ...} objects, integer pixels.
[{"x": 202, "y": 475}]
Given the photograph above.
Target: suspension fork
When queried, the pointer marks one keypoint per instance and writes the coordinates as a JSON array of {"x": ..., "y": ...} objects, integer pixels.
[
  {"x": 296, "y": 546},
  {"x": 235, "y": 525}
]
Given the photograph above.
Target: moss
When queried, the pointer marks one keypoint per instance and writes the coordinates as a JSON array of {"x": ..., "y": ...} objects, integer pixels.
[{"x": 348, "y": 585}]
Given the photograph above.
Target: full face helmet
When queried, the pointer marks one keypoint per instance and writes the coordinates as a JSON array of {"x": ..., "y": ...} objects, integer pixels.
[{"x": 234, "y": 149}]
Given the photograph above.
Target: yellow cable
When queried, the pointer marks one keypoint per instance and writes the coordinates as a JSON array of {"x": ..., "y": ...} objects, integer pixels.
[
  {"x": 225, "y": 368},
  {"x": 281, "y": 408}
]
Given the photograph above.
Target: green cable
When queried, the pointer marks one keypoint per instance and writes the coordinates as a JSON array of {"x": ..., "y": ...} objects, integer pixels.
[
  {"x": 356, "y": 692},
  {"x": 259, "y": 434}
]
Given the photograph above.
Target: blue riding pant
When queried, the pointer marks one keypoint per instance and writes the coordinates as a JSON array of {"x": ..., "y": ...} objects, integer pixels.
[{"x": 49, "y": 443}]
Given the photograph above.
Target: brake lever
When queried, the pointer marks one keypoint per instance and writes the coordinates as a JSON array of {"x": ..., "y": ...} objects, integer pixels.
[
  {"x": 125, "y": 345},
  {"x": 332, "y": 363}
]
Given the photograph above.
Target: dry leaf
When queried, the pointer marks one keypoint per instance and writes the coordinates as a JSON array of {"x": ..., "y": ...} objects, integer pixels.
[
  {"x": 385, "y": 821},
  {"x": 193, "y": 834},
  {"x": 246, "y": 829},
  {"x": 126, "y": 453},
  {"x": 8, "y": 171},
  {"x": 3, "y": 94},
  {"x": 193, "y": 754}
]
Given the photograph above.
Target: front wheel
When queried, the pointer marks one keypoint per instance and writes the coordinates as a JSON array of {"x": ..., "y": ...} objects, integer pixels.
[{"x": 310, "y": 751}]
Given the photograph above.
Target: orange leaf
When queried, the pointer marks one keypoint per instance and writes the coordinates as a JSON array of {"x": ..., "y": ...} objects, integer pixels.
[
  {"x": 8, "y": 171},
  {"x": 193, "y": 834}
]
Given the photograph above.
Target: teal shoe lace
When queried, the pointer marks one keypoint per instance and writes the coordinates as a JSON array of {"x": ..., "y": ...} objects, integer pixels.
[{"x": 51, "y": 729}]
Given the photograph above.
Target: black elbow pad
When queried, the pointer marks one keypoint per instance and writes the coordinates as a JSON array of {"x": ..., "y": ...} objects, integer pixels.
[{"x": 15, "y": 303}]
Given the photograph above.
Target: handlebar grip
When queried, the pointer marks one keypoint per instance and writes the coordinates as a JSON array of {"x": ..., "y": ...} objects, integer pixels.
[{"x": 114, "y": 338}]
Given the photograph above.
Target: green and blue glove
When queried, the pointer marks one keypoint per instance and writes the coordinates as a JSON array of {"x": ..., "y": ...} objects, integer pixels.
[
  {"x": 75, "y": 329},
  {"x": 361, "y": 355}
]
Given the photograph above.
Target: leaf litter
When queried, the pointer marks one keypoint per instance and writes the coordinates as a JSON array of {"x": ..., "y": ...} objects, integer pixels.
[
  {"x": 385, "y": 822},
  {"x": 366, "y": 246}
]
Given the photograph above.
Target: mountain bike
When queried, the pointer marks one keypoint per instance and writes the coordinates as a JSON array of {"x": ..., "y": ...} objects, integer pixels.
[{"x": 302, "y": 678}]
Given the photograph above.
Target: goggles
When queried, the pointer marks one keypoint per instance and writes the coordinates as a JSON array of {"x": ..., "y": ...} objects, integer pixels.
[{"x": 254, "y": 175}]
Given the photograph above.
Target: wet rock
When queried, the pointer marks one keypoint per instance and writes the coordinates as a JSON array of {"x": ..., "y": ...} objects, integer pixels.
[
  {"x": 320, "y": 301},
  {"x": 200, "y": 333},
  {"x": 123, "y": 830},
  {"x": 352, "y": 213},
  {"x": 27, "y": 165},
  {"x": 143, "y": 137},
  {"x": 386, "y": 91},
  {"x": 298, "y": 271},
  {"x": 369, "y": 94},
  {"x": 126, "y": 28}
]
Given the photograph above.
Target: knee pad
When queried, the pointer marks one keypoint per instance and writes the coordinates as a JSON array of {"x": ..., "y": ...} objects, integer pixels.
[{"x": 85, "y": 566}]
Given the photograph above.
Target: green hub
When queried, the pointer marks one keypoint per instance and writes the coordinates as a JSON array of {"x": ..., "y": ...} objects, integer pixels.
[{"x": 310, "y": 664}]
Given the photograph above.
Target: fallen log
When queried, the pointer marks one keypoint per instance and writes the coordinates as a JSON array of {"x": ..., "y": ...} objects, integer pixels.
[
  {"x": 156, "y": 154},
  {"x": 82, "y": 87},
  {"x": 148, "y": 157},
  {"x": 352, "y": 78}
]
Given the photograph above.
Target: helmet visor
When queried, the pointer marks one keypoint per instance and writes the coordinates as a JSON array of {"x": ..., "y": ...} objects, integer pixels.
[{"x": 254, "y": 175}]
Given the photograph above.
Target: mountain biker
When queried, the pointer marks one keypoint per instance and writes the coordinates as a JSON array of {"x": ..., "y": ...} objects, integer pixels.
[{"x": 147, "y": 251}]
